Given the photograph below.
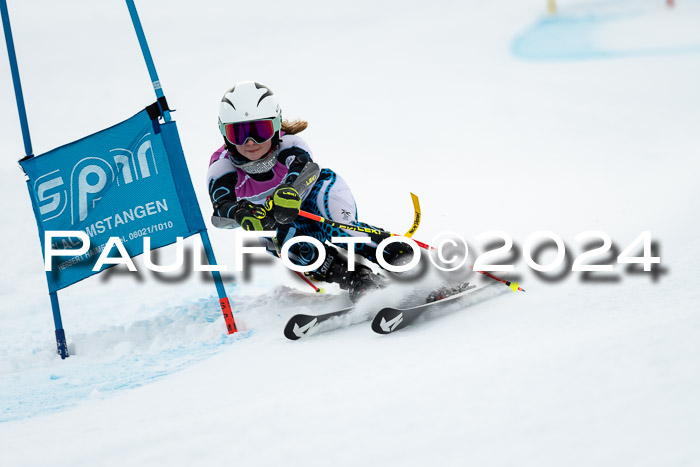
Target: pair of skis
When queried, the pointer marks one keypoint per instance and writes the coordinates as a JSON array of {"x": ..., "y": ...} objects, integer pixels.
[{"x": 386, "y": 321}]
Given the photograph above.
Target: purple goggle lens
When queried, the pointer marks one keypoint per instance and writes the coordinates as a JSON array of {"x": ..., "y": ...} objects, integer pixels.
[{"x": 259, "y": 130}]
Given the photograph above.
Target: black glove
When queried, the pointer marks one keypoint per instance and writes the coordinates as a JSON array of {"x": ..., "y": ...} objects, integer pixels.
[
  {"x": 253, "y": 216},
  {"x": 286, "y": 203}
]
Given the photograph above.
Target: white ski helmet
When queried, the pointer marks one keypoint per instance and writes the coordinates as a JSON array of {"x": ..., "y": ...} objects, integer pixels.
[{"x": 248, "y": 101}]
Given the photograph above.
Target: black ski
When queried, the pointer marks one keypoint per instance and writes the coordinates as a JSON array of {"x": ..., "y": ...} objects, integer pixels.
[
  {"x": 390, "y": 319},
  {"x": 302, "y": 325}
]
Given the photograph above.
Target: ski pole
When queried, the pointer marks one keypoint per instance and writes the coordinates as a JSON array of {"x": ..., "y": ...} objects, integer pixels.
[
  {"x": 514, "y": 286},
  {"x": 381, "y": 235},
  {"x": 311, "y": 284},
  {"x": 373, "y": 233}
]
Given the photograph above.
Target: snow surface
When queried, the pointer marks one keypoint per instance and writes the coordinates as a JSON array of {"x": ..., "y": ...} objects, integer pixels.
[{"x": 497, "y": 116}]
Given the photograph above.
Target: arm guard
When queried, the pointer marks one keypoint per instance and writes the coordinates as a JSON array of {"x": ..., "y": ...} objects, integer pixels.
[
  {"x": 223, "y": 196},
  {"x": 303, "y": 172}
]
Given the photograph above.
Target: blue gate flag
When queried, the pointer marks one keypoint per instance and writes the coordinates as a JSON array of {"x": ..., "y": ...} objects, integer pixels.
[{"x": 127, "y": 181}]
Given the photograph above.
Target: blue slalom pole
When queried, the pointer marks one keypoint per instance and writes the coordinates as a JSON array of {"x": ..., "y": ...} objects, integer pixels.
[
  {"x": 223, "y": 298},
  {"x": 147, "y": 57},
  {"x": 58, "y": 324},
  {"x": 15, "y": 79}
]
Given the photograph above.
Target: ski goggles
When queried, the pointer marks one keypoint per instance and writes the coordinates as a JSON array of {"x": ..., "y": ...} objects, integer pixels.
[{"x": 259, "y": 131}]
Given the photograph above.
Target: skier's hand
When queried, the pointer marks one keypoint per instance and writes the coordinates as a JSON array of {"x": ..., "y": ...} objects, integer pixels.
[
  {"x": 254, "y": 216},
  {"x": 286, "y": 203}
]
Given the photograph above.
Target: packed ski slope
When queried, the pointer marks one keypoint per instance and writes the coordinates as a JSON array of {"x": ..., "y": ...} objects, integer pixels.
[{"x": 497, "y": 116}]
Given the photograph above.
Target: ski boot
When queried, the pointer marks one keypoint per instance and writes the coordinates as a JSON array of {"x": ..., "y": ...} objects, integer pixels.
[
  {"x": 398, "y": 254},
  {"x": 335, "y": 270},
  {"x": 363, "y": 281}
]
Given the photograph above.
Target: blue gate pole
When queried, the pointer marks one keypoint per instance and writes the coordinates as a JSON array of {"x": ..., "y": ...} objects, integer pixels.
[
  {"x": 15, "y": 79},
  {"x": 223, "y": 299},
  {"x": 60, "y": 333},
  {"x": 147, "y": 56}
]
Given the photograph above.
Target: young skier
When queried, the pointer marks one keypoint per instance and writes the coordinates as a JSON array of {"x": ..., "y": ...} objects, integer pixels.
[{"x": 252, "y": 177}]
